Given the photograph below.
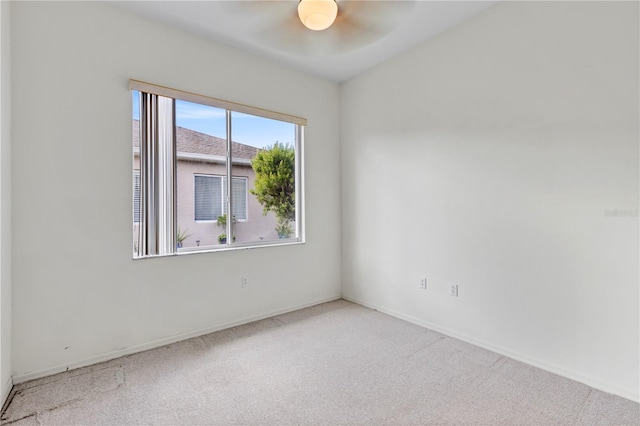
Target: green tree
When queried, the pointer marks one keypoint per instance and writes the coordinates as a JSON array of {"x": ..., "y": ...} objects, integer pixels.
[{"x": 274, "y": 185}]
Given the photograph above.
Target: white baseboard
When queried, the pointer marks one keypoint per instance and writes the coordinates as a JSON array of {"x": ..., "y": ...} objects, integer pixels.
[
  {"x": 6, "y": 390},
  {"x": 593, "y": 382},
  {"x": 20, "y": 378}
]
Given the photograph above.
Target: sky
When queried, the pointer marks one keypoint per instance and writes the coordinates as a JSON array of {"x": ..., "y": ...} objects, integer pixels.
[{"x": 247, "y": 129}]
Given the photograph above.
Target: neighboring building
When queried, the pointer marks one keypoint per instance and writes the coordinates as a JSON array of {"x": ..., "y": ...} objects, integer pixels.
[{"x": 201, "y": 188}]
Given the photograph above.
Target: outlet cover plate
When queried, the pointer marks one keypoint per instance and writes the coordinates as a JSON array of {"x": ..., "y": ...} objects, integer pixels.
[{"x": 423, "y": 283}]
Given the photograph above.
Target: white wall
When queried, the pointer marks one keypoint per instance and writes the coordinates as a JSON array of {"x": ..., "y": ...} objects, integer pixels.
[
  {"x": 488, "y": 158},
  {"x": 5, "y": 201},
  {"x": 78, "y": 296}
]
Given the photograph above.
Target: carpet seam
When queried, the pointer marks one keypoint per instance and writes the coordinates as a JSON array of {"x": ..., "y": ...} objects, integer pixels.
[{"x": 584, "y": 404}]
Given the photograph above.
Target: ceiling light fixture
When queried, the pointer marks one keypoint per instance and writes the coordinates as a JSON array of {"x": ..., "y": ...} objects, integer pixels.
[{"x": 317, "y": 15}]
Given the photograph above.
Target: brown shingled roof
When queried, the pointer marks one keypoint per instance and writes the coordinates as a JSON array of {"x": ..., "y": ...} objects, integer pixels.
[{"x": 193, "y": 142}]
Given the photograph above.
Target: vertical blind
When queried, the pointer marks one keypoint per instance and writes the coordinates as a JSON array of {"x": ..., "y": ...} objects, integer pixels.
[{"x": 156, "y": 233}]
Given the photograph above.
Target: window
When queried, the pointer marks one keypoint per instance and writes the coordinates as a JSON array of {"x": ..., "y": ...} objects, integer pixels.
[
  {"x": 210, "y": 193},
  {"x": 196, "y": 158},
  {"x": 239, "y": 190},
  {"x": 136, "y": 196},
  {"x": 209, "y": 197}
]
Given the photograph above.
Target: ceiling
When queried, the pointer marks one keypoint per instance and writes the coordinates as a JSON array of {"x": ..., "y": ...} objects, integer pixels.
[{"x": 366, "y": 32}]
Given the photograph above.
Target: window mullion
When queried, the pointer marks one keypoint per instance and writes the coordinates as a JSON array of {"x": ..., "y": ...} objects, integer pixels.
[
  {"x": 298, "y": 181},
  {"x": 229, "y": 182}
]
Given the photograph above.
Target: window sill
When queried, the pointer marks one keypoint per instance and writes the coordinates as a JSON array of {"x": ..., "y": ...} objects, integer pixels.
[{"x": 222, "y": 247}]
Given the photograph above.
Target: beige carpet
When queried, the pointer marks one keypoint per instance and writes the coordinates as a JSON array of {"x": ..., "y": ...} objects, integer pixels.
[{"x": 332, "y": 364}]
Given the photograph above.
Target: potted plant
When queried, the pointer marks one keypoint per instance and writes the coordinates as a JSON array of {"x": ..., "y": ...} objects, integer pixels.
[
  {"x": 283, "y": 228},
  {"x": 222, "y": 238},
  {"x": 222, "y": 223},
  {"x": 180, "y": 237}
]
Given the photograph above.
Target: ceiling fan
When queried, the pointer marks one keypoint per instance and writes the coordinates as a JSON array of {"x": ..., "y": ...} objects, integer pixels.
[{"x": 311, "y": 27}]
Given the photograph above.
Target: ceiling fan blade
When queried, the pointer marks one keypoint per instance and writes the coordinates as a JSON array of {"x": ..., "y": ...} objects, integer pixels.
[
  {"x": 360, "y": 23},
  {"x": 375, "y": 11},
  {"x": 276, "y": 24},
  {"x": 378, "y": 18}
]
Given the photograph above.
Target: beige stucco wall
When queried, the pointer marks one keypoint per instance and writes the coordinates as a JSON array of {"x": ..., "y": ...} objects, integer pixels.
[{"x": 256, "y": 225}]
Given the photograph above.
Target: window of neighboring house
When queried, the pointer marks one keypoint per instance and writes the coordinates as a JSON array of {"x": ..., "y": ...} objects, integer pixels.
[
  {"x": 210, "y": 193},
  {"x": 196, "y": 158},
  {"x": 136, "y": 196}
]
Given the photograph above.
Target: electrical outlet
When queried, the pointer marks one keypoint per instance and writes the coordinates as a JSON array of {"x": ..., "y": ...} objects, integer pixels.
[
  {"x": 453, "y": 290},
  {"x": 244, "y": 282},
  {"x": 423, "y": 283}
]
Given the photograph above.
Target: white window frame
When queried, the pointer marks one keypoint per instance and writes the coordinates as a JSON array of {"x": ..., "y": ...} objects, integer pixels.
[{"x": 158, "y": 159}]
